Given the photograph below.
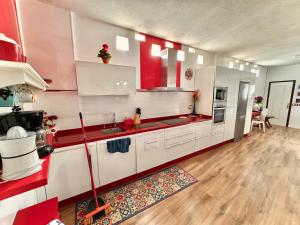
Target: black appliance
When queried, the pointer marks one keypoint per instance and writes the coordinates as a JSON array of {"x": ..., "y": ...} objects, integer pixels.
[
  {"x": 221, "y": 94},
  {"x": 219, "y": 115},
  {"x": 29, "y": 120}
]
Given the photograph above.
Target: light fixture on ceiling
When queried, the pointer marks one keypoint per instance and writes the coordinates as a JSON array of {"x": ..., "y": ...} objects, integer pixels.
[
  {"x": 257, "y": 73},
  {"x": 155, "y": 50},
  {"x": 241, "y": 66},
  {"x": 169, "y": 44},
  {"x": 247, "y": 64},
  {"x": 122, "y": 43},
  {"x": 192, "y": 50},
  {"x": 180, "y": 55},
  {"x": 253, "y": 70},
  {"x": 230, "y": 64},
  {"x": 200, "y": 59},
  {"x": 255, "y": 66},
  {"x": 139, "y": 37},
  {"x": 237, "y": 61}
]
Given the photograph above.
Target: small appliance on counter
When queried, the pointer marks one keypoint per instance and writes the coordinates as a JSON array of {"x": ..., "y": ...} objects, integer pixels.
[{"x": 19, "y": 154}]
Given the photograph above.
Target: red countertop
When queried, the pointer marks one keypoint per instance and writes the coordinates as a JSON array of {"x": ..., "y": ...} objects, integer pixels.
[
  {"x": 39, "y": 214},
  {"x": 73, "y": 137},
  {"x": 11, "y": 188}
]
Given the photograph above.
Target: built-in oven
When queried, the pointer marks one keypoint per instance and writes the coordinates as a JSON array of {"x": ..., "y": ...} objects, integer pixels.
[
  {"x": 221, "y": 94},
  {"x": 219, "y": 114}
]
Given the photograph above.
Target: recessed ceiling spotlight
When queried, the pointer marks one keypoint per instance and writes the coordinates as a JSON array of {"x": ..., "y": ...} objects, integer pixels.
[
  {"x": 255, "y": 66},
  {"x": 169, "y": 44},
  {"x": 230, "y": 64},
  {"x": 191, "y": 50},
  {"x": 241, "y": 66},
  {"x": 237, "y": 61},
  {"x": 247, "y": 64}
]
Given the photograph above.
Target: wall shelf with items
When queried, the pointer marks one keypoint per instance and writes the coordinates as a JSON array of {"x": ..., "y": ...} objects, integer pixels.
[{"x": 95, "y": 79}]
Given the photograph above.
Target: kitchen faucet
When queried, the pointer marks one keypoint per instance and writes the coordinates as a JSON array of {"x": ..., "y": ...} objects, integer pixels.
[{"x": 114, "y": 119}]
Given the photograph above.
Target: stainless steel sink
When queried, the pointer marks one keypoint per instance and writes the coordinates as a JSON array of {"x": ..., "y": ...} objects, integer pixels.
[
  {"x": 112, "y": 130},
  {"x": 174, "y": 121},
  {"x": 146, "y": 125}
]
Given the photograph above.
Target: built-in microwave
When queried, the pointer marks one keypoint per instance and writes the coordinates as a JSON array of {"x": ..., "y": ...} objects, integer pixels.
[
  {"x": 221, "y": 94},
  {"x": 219, "y": 114}
]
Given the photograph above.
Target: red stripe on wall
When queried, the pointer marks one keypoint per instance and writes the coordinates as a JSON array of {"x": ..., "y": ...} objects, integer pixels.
[
  {"x": 150, "y": 65},
  {"x": 9, "y": 21}
]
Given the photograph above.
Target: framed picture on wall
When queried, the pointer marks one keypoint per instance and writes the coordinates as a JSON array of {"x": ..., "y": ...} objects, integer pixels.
[
  {"x": 298, "y": 100},
  {"x": 298, "y": 94}
]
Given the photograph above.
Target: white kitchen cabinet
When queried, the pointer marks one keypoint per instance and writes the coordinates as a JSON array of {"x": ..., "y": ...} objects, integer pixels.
[
  {"x": 204, "y": 82},
  {"x": 150, "y": 150},
  {"x": 115, "y": 166},
  {"x": 203, "y": 135},
  {"x": 217, "y": 134},
  {"x": 69, "y": 171},
  {"x": 179, "y": 141},
  {"x": 230, "y": 119},
  {"x": 104, "y": 79},
  {"x": 233, "y": 88}
]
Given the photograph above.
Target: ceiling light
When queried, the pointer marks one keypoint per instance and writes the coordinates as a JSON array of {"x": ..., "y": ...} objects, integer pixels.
[
  {"x": 255, "y": 66},
  {"x": 247, "y": 64},
  {"x": 169, "y": 44},
  {"x": 241, "y": 66},
  {"x": 253, "y": 70},
  {"x": 155, "y": 50},
  {"x": 230, "y": 64},
  {"x": 257, "y": 73},
  {"x": 192, "y": 50},
  {"x": 139, "y": 37},
  {"x": 122, "y": 43},
  {"x": 200, "y": 59},
  {"x": 180, "y": 55},
  {"x": 237, "y": 61}
]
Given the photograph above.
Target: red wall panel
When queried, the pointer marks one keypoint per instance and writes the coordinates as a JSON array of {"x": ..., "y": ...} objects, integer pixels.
[
  {"x": 8, "y": 20},
  {"x": 150, "y": 65}
]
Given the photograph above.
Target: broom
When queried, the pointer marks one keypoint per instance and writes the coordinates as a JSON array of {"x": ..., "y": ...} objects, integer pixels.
[{"x": 94, "y": 210}]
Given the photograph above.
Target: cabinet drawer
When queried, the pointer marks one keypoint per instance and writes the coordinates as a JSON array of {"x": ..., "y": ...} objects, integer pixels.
[
  {"x": 202, "y": 143},
  {"x": 150, "y": 150},
  {"x": 203, "y": 129},
  {"x": 217, "y": 129}
]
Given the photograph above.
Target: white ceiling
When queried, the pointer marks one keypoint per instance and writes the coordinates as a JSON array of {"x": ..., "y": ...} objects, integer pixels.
[{"x": 266, "y": 32}]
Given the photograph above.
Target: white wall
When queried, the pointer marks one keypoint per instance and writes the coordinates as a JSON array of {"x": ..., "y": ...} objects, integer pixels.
[
  {"x": 88, "y": 36},
  {"x": 290, "y": 72}
]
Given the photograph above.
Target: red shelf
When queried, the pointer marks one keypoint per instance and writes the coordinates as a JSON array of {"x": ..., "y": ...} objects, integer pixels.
[
  {"x": 39, "y": 214},
  {"x": 31, "y": 182}
]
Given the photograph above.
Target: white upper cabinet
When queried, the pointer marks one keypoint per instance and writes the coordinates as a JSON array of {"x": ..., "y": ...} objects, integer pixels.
[
  {"x": 204, "y": 82},
  {"x": 104, "y": 79}
]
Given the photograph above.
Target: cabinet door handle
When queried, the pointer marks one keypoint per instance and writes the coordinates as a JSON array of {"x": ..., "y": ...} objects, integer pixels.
[
  {"x": 172, "y": 145},
  {"x": 172, "y": 137},
  {"x": 151, "y": 142},
  {"x": 186, "y": 141},
  {"x": 187, "y": 133}
]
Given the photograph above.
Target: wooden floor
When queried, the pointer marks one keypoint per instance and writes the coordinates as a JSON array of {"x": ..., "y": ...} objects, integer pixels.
[{"x": 254, "y": 181}]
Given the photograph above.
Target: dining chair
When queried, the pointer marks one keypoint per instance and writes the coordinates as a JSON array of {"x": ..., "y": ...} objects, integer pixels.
[{"x": 260, "y": 121}]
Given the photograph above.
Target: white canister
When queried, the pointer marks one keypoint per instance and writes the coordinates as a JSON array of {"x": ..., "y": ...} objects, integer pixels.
[{"x": 19, "y": 157}]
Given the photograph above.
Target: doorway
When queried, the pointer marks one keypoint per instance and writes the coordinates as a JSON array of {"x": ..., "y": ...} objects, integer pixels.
[{"x": 279, "y": 101}]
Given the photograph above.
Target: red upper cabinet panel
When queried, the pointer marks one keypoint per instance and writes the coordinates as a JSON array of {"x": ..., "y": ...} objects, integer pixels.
[
  {"x": 150, "y": 65},
  {"x": 9, "y": 21}
]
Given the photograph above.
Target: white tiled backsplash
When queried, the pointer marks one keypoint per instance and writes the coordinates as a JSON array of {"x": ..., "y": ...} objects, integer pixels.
[{"x": 100, "y": 109}]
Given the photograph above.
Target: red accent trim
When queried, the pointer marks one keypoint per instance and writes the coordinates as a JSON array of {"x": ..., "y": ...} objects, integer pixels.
[
  {"x": 150, "y": 65},
  {"x": 71, "y": 137},
  {"x": 55, "y": 90},
  {"x": 42, "y": 213},
  {"x": 137, "y": 176},
  {"x": 11, "y": 188}
]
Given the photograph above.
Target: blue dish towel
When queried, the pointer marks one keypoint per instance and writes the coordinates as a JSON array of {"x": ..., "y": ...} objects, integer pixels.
[{"x": 120, "y": 145}]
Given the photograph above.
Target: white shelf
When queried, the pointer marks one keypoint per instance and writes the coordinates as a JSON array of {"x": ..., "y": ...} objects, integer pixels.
[{"x": 16, "y": 73}]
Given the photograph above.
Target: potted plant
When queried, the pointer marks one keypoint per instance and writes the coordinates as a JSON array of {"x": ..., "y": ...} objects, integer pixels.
[{"x": 104, "y": 54}]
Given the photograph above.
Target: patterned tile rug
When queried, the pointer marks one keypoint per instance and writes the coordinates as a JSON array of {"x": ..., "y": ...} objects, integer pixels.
[{"x": 132, "y": 198}]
